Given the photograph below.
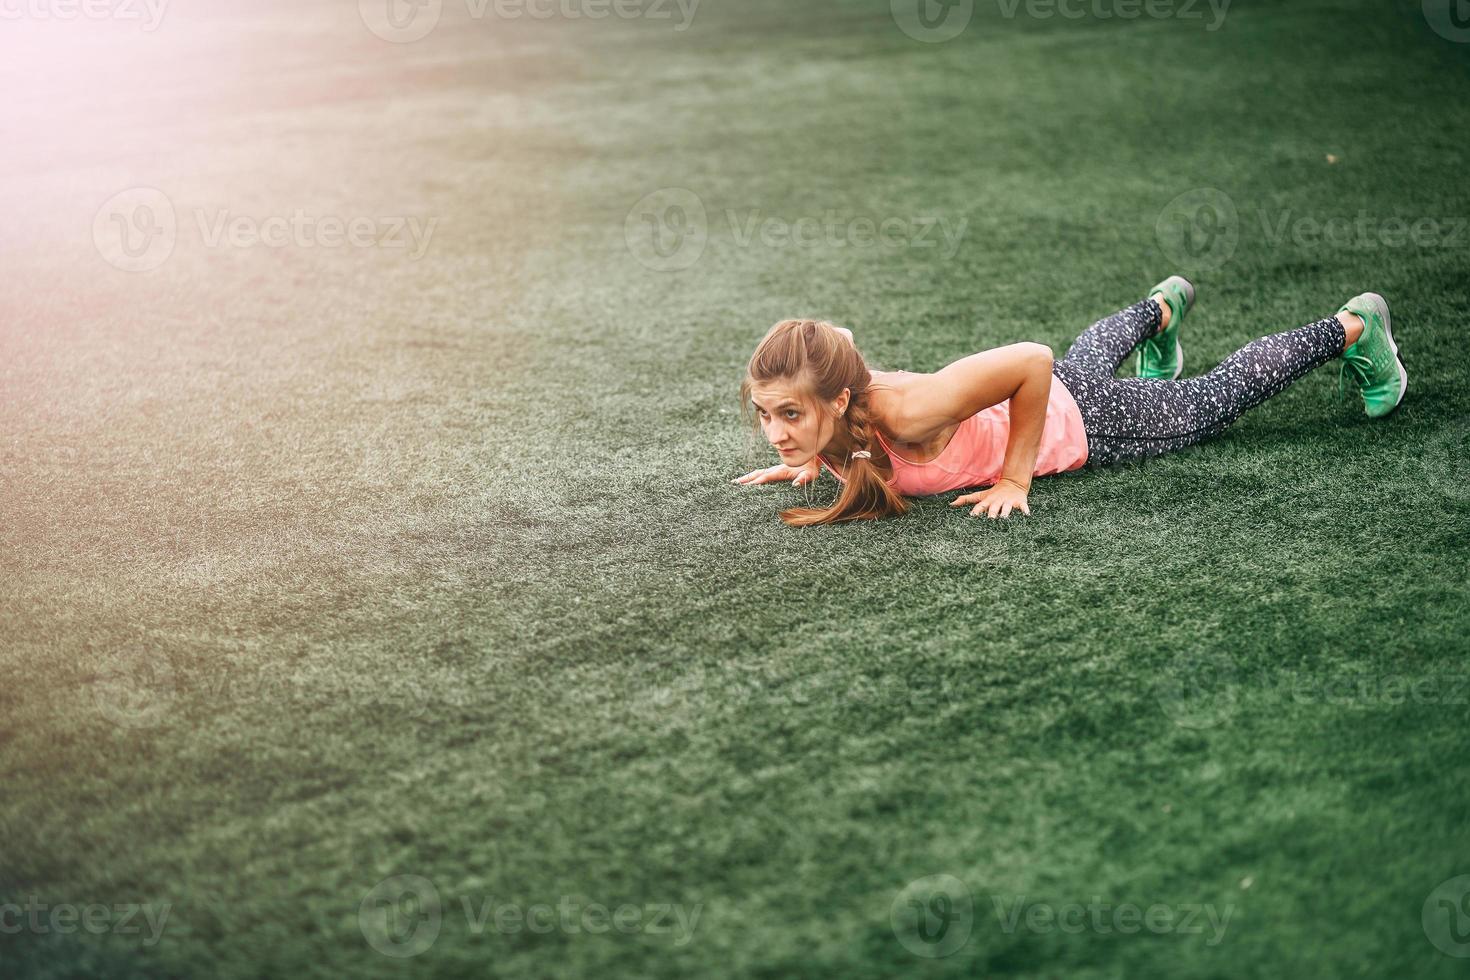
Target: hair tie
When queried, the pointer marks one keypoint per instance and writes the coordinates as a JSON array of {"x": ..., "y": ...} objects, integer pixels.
[{"x": 862, "y": 454}]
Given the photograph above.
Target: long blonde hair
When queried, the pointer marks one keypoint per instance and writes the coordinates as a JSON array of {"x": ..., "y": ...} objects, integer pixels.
[{"x": 815, "y": 356}]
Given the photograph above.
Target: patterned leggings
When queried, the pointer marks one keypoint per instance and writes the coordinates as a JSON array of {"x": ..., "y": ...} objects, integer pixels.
[{"x": 1134, "y": 418}]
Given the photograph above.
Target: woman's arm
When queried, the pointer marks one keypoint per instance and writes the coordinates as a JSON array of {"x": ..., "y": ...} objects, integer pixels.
[{"x": 1019, "y": 372}]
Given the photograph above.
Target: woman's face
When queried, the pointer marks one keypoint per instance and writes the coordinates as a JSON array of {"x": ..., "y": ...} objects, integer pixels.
[{"x": 796, "y": 426}]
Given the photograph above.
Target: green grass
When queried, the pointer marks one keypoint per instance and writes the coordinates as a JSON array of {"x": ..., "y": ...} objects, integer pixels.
[{"x": 322, "y": 566}]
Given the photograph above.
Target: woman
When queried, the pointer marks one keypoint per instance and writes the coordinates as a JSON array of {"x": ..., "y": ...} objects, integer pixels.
[{"x": 1002, "y": 416}]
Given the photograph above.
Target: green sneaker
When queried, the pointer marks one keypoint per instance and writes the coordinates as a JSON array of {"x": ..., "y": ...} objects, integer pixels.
[
  {"x": 1162, "y": 356},
  {"x": 1374, "y": 359}
]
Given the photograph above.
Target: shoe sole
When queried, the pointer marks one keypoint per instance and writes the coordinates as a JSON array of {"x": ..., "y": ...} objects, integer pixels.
[
  {"x": 1188, "y": 305},
  {"x": 1178, "y": 347},
  {"x": 1398, "y": 362},
  {"x": 1188, "y": 292}
]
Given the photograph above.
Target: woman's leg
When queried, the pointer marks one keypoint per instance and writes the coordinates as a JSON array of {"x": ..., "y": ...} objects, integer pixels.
[
  {"x": 1134, "y": 418},
  {"x": 1104, "y": 345}
]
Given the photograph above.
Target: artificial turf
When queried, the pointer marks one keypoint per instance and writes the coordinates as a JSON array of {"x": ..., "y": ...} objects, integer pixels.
[{"x": 323, "y": 566}]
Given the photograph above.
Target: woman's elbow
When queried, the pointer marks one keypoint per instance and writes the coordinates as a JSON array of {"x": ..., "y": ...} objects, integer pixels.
[{"x": 1041, "y": 353}]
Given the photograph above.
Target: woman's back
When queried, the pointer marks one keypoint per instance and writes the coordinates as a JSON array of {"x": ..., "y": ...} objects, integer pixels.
[{"x": 933, "y": 456}]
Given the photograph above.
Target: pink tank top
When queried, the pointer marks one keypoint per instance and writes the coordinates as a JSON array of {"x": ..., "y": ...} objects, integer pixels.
[{"x": 976, "y": 453}]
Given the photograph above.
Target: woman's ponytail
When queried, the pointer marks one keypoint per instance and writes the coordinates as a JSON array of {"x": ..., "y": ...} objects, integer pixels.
[{"x": 865, "y": 494}]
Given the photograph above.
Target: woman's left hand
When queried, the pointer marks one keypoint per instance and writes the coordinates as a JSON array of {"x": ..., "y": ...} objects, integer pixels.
[{"x": 998, "y": 501}]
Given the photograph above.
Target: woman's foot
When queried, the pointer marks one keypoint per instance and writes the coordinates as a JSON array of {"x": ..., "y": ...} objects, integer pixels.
[
  {"x": 1373, "y": 360},
  {"x": 1162, "y": 356}
]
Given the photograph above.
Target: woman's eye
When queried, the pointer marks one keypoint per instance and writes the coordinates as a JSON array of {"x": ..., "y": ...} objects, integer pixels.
[{"x": 791, "y": 414}]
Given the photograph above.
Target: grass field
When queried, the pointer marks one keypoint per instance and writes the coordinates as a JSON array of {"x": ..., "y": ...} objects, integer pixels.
[{"x": 328, "y": 564}]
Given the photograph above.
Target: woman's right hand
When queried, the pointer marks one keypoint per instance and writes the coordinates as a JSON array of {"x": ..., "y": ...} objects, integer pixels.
[{"x": 799, "y": 476}]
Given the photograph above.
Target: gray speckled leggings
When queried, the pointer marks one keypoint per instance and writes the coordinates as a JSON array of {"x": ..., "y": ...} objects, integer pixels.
[{"x": 1133, "y": 418}]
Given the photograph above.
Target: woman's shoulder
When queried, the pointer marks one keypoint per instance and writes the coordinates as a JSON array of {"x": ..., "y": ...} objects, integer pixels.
[
  {"x": 893, "y": 385},
  {"x": 887, "y": 394},
  {"x": 891, "y": 404}
]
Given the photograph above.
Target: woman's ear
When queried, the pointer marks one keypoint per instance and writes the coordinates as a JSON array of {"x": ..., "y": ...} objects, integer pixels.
[{"x": 841, "y": 401}]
